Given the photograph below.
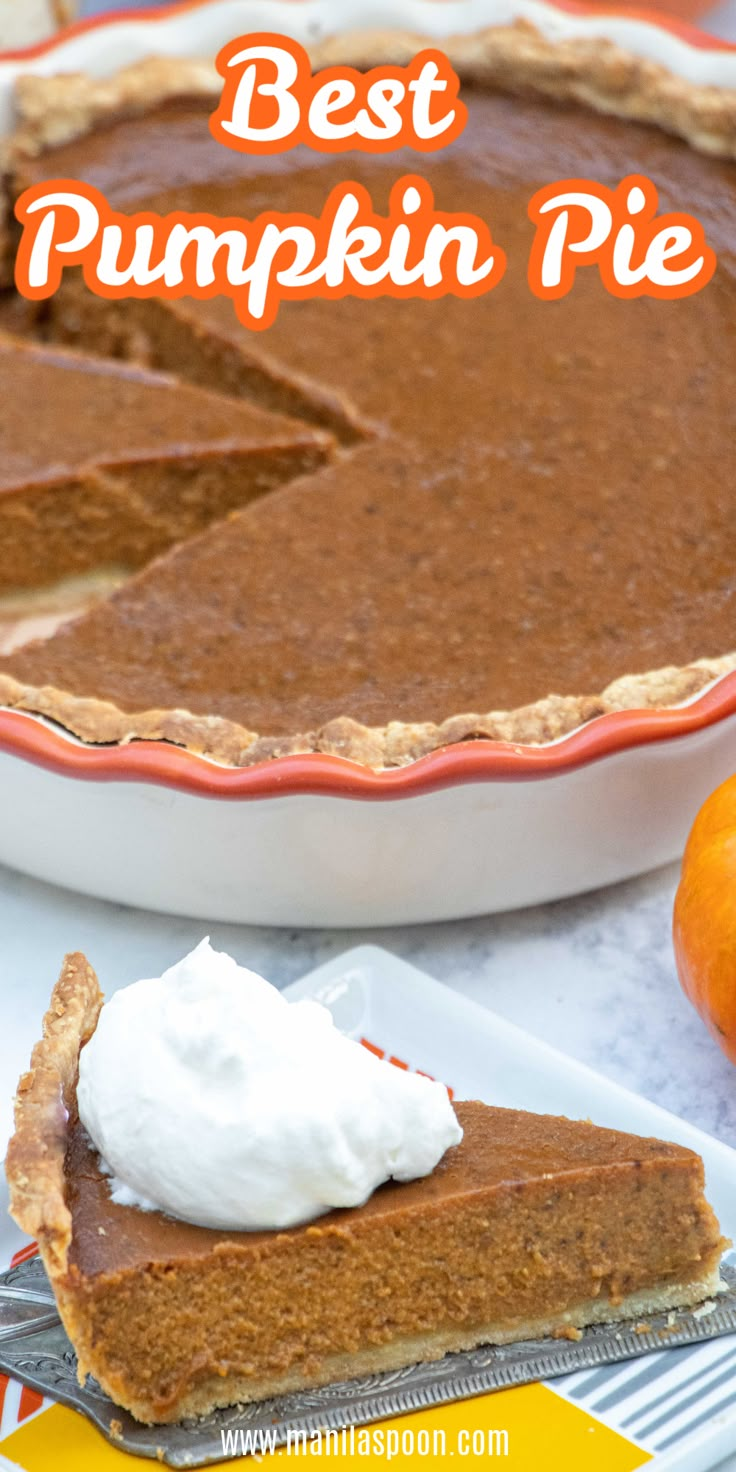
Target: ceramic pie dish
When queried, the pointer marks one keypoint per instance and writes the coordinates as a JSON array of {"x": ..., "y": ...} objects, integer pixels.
[{"x": 317, "y": 847}]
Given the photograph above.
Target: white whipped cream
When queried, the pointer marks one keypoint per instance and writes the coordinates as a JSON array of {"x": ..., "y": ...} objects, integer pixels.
[{"x": 212, "y": 1098}]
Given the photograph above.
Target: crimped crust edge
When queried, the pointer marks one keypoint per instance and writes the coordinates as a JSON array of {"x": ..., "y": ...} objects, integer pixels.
[
  {"x": 597, "y": 72},
  {"x": 34, "y": 1164},
  {"x": 397, "y": 744}
]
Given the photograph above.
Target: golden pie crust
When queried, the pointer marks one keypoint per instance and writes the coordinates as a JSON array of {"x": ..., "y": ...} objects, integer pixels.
[
  {"x": 518, "y": 58},
  {"x": 393, "y": 745}
]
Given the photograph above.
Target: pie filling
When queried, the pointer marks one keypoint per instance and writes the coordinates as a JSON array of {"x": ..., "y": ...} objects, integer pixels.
[
  {"x": 533, "y": 500},
  {"x": 536, "y": 1222},
  {"x": 115, "y": 463}
]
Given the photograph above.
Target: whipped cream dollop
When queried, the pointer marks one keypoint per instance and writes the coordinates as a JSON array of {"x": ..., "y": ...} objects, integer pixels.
[{"x": 212, "y": 1098}]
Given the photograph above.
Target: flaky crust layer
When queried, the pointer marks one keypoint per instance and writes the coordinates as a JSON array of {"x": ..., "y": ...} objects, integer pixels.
[
  {"x": 34, "y": 1164},
  {"x": 394, "y": 745}
]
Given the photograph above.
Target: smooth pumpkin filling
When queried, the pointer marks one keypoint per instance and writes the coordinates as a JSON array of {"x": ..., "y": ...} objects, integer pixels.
[{"x": 532, "y": 1216}]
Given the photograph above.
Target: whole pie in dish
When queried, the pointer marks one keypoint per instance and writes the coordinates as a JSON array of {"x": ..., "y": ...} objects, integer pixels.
[
  {"x": 533, "y": 1225},
  {"x": 529, "y": 519}
]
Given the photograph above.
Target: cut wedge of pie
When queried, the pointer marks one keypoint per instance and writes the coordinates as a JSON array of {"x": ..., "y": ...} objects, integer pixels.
[
  {"x": 531, "y": 520},
  {"x": 104, "y": 464},
  {"x": 533, "y": 1225}
]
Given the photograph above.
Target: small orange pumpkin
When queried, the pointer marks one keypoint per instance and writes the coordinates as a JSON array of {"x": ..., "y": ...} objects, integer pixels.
[{"x": 705, "y": 916}]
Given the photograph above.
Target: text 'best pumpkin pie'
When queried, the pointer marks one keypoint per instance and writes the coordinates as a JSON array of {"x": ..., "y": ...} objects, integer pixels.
[
  {"x": 531, "y": 519},
  {"x": 532, "y": 1225}
]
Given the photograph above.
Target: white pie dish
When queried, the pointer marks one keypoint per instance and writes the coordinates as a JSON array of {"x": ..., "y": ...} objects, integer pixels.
[{"x": 316, "y": 840}]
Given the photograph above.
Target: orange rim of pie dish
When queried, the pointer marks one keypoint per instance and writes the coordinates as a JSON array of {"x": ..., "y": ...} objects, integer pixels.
[
  {"x": 31, "y": 738},
  {"x": 657, "y": 18}
]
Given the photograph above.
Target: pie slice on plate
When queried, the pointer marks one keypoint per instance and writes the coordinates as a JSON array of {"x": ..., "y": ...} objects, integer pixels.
[{"x": 533, "y": 1225}]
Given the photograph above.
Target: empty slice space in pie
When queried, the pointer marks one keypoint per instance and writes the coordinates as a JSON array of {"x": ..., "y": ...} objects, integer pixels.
[{"x": 116, "y": 464}]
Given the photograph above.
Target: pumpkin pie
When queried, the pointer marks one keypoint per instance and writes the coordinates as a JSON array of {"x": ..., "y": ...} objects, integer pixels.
[
  {"x": 533, "y": 1225},
  {"x": 530, "y": 522}
]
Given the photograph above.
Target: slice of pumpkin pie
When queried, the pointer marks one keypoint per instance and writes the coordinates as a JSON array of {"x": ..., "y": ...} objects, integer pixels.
[
  {"x": 532, "y": 1225},
  {"x": 104, "y": 464}
]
